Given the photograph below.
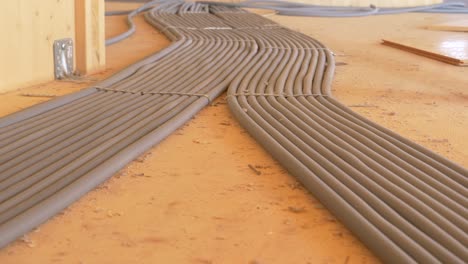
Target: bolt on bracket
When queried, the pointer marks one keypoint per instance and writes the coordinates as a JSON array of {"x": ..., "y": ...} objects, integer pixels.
[{"x": 63, "y": 58}]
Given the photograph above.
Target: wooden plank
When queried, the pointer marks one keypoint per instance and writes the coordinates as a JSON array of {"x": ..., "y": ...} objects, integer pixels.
[
  {"x": 29, "y": 29},
  {"x": 443, "y": 46},
  {"x": 90, "y": 35},
  {"x": 456, "y": 25}
]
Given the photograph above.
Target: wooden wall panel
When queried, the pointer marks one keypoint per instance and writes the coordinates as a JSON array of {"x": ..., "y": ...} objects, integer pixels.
[{"x": 28, "y": 29}]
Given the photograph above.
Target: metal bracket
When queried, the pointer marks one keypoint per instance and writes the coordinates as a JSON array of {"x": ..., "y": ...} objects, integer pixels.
[{"x": 63, "y": 58}]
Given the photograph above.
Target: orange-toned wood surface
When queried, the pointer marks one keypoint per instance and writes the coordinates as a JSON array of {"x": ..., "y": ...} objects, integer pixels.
[
  {"x": 454, "y": 25},
  {"x": 195, "y": 197}
]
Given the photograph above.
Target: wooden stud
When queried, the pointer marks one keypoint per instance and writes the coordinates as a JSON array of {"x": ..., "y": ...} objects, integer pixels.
[{"x": 90, "y": 49}]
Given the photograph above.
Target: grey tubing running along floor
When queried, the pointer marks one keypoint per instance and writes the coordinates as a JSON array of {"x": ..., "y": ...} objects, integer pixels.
[{"x": 406, "y": 203}]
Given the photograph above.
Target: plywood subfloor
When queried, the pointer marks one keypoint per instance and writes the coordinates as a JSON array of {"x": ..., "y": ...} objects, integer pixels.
[
  {"x": 194, "y": 199},
  {"x": 455, "y": 25}
]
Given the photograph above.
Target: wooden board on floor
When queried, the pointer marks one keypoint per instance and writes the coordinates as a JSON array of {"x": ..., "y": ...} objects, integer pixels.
[
  {"x": 443, "y": 46},
  {"x": 455, "y": 25}
]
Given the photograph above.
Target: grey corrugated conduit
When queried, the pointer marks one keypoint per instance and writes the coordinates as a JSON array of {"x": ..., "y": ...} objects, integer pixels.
[
  {"x": 130, "y": 15},
  {"x": 302, "y": 9},
  {"x": 55, "y": 146},
  {"x": 292, "y": 9},
  {"x": 406, "y": 203},
  {"x": 267, "y": 100}
]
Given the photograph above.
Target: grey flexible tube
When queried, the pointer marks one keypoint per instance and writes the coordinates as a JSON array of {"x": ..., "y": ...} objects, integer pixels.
[
  {"x": 292, "y": 9},
  {"x": 130, "y": 22},
  {"x": 436, "y": 248},
  {"x": 406, "y": 203},
  {"x": 89, "y": 116},
  {"x": 301, "y": 9}
]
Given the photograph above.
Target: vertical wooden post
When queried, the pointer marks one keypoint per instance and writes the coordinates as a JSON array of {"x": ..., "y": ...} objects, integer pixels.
[{"x": 90, "y": 49}]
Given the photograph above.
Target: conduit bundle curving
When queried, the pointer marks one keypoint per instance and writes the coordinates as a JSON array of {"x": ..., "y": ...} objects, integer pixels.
[{"x": 406, "y": 203}]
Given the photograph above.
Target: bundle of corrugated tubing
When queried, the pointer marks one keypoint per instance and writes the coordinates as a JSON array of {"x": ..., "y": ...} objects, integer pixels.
[{"x": 406, "y": 203}]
